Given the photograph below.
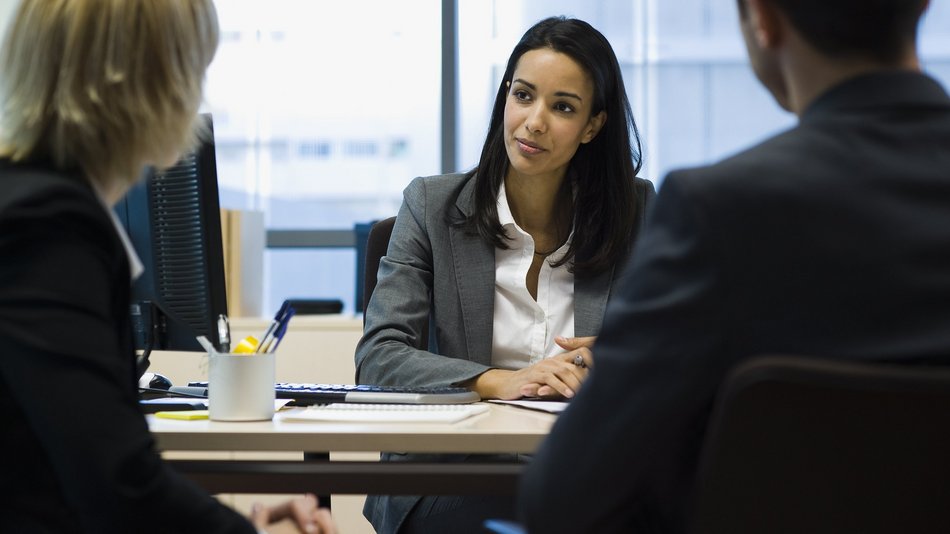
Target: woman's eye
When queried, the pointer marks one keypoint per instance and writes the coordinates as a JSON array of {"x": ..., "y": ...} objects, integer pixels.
[
  {"x": 522, "y": 95},
  {"x": 564, "y": 108}
]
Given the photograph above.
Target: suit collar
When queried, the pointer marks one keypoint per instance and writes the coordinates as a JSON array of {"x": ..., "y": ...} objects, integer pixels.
[
  {"x": 474, "y": 263},
  {"x": 136, "y": 268},
  {"x": 590, "y": 301},
  {"x": 879, "y": 90},
  {"x": 466, "y": 198}
]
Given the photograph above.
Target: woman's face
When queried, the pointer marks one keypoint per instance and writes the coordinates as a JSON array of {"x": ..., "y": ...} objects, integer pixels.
[{"x": 548, "y": 113}]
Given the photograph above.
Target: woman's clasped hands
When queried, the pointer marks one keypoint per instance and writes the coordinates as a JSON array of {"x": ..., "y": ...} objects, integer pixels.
[{"x": 558, "y": 376}]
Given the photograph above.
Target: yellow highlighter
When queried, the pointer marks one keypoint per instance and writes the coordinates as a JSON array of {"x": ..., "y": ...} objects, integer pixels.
[{"x": 247, "y": 345}]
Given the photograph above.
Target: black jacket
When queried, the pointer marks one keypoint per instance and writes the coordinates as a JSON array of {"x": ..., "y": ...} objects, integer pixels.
[
  {"x": 76, "y": 454},
  {"x": 831, "y": 239}
]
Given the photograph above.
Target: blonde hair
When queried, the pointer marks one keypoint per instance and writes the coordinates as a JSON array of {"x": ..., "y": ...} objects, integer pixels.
[{"x": 104, "y": 86}]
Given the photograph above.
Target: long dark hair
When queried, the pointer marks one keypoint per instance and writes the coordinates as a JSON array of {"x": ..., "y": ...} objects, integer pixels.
[{"x": 601, "y": 172}]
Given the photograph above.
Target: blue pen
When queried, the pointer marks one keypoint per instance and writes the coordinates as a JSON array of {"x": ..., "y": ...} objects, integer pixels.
[
  {"x": 272, "y": 327},
  {"x": 281, "y": 330},
  {"x": 280, "y": 320}
]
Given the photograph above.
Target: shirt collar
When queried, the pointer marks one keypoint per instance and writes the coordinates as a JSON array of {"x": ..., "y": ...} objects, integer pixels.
[
  {"x": 505, "y": 218},
  {"x": 136, "y": 268},
  {"x": 507, "y": 221}
]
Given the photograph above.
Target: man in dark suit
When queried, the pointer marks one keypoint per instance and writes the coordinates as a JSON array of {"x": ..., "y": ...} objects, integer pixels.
[{"x": 831, "y": 239}]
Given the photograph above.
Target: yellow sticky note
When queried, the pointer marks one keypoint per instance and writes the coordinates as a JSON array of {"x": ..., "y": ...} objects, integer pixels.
[{"x": 185, "y": 415}]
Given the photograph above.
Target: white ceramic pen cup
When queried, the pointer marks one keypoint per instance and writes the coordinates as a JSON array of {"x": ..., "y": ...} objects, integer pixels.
[{"x": 241, "y": 387}]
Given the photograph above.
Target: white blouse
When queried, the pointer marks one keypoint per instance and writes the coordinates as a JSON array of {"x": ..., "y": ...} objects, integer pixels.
[{"x": 523, "y": 330}]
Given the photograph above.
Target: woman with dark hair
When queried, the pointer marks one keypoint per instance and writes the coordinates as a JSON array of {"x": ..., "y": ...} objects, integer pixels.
[{"x": 509, "y": 266}]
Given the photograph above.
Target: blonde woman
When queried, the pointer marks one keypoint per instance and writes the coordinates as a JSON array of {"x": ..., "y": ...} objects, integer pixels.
[{"x": 91, "y": 91}]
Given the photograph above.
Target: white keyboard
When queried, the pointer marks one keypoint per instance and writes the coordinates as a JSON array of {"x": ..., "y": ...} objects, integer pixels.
[{"x": 386, "y": 413}]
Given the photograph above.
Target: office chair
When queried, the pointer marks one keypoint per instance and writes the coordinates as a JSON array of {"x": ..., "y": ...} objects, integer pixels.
[
  {"x": 376, "y": 244},
  {"x": 806, "y": 445}
]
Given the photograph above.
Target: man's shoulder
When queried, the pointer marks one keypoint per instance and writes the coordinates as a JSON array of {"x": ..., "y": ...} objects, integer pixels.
[
  {"x": 782, "y": 167},
  {"x": 768, "y": 156}
]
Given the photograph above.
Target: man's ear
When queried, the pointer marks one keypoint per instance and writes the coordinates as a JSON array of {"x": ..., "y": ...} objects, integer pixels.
[
  {"x": 765, "y": 22},
  {"x": 594, "y": 125}
]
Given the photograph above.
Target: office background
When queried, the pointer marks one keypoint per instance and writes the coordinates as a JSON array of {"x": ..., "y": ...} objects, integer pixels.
[{"x": 324, "y": 110}]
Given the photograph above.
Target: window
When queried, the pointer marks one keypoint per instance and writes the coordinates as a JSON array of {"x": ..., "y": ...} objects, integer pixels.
[{"x": 325, "y": 110}]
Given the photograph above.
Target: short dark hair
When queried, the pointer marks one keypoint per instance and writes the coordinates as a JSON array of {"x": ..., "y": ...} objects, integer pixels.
[
  {"x": 875, "y": 29},
  {"x": 601, "y": 172}
]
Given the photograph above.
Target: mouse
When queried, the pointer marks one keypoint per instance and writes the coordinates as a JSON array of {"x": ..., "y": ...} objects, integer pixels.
[{"x": 154, "y": 381}]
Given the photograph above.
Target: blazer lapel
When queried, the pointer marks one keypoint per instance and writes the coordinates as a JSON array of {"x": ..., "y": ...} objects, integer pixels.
[
  {"x": 590, "y": 301},
  {"x": 474, "y": 263}
]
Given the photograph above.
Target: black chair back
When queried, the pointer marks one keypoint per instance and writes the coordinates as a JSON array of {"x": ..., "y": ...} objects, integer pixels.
[
  {"x": 806, "y": 445},
  {"x": 376, "y": 244}
]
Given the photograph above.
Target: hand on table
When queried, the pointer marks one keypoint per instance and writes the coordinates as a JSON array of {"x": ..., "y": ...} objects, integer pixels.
[
  {"x": 558, "y": 375},
  {"x": 578, "y": 352},
  {"x": 301, "y": 514}
]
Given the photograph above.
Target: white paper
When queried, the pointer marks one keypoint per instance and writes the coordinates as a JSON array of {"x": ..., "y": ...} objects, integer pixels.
[
  {"x": 542, "y": 405},
  {"x": 176, "y": 400},
  {"x": 386, "y": 413}
]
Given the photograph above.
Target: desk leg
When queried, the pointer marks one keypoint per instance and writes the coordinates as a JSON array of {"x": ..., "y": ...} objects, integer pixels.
[{"x": 323, "y": 457}]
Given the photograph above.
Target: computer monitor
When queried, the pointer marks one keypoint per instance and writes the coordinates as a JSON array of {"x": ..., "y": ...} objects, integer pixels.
[{"x": 174, "y": 222}]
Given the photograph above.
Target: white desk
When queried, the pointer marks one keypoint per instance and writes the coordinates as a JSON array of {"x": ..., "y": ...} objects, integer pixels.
[{"x": 503, "y": 429}]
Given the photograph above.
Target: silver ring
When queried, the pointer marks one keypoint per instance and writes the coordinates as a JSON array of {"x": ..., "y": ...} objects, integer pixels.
[{"x": 579, "y": 361}]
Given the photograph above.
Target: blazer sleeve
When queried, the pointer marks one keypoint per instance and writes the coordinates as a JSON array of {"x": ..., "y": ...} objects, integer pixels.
[
  {"x": 646, "y": 193},
  {"x": 646, "y": 197},
  {"x": 390, "y": 351},
  {"x": 637, "y": 424},
  {"x": 57, "y": 322}
]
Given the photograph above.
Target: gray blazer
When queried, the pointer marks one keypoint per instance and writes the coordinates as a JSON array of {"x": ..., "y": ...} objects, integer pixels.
[{"x": 435, "y": 273}]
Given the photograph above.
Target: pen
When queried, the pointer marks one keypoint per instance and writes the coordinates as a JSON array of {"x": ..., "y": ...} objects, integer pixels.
[
  {"x": 265, "y": 340},
  {"x": 272, "y": 328},
  {"x": 281, "y": 330},
  {"x": 206, "y": 344},
  {"x": 224, "y": 334},
  {"x": 268, "y": 336}
]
